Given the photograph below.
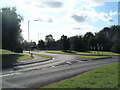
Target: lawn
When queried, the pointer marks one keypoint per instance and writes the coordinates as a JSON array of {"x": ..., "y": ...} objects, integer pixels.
[
  {"x": 93, "y": 57},
  {"x": 101, "y": 77},
  {"x": 103, "y": 53},
  {"x": 84, "y": 53},
  {"x": 69, "y": 52},
  {"x": 12, "y": 55},
  {"x": 41, "y": 55},
  {"x": 37, "y": 50}
]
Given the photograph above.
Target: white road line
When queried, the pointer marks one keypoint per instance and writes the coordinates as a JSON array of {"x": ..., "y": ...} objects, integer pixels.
[
  {"x": 9, "y": 74},
  {"x": 69, "y": 62},
  {"x": 52, "y": 66}
]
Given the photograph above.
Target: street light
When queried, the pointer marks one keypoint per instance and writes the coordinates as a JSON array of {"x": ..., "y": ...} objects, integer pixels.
[
  {"x": 38, "y": 36},
  {"x": 29, "y": 32}
]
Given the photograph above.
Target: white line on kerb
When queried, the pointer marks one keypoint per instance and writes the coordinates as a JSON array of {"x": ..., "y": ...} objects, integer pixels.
[{"x": 9, "y": 74}]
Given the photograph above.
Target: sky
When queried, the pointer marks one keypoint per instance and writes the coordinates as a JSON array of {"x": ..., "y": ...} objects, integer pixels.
[{"x": 68, "y": 17}]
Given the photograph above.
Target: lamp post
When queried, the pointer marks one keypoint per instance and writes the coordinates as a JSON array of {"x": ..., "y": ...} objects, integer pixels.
[
  {"x": 29, "y": 28},
  {"x": 29, "y": 32},
  {"x": 38, "y": 36}
]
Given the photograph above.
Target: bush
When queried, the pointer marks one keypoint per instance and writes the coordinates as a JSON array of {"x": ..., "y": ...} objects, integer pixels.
[
  {"x": 116, "y": 48},
  {"x": 19, "y": 50}
]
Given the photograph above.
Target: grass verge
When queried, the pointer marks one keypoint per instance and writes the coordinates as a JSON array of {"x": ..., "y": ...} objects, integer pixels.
[
  {"x": 93, "y": 57},
  {"x": 8, "y": 56},
  {"x": 69, "y": 52},
  {"x": 41, "y": 55},
  {"x": 104, "y": 53},
  {"x": 84, "y": 53},
  {"x": 101, "y": 77}
]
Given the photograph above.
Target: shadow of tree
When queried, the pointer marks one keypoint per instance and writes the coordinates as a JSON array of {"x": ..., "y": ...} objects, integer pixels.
[
  {"x": 68, "y": 51},
  {"x": 9, "y": 60}
]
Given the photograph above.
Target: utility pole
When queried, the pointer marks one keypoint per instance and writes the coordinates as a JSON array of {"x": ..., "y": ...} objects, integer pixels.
[
  {"x": 38, "y": 37},
  {"x": 28, "y": 31}
]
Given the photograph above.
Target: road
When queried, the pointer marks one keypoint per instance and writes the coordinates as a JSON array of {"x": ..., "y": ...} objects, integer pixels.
[{"x": 40, "y": 74}]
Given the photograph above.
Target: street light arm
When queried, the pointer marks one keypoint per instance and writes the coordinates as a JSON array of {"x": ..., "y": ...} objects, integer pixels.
[
  {"x": 29, "y": 27},
  {"x": 35, "y": 20}
]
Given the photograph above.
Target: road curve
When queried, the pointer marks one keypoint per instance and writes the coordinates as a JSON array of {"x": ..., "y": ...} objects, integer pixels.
[{"x": 62, "y": 67}]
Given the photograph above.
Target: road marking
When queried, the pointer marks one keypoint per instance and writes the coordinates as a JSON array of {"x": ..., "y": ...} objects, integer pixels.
[
  {"x": 9, "y": 74},
  {"x": 52, "y": 66},
  {"x": 79, "y": 61},
  {"x": 69, "y": 62}
]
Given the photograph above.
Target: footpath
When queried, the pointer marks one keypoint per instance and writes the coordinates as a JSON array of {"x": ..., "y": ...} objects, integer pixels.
[{"x": 36, "y": 60}]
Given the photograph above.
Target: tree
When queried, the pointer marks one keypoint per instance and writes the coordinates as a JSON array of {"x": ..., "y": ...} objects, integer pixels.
[
  {"x": 50, "y": 42},
  {"x": 77, "y": 43},
  {"x": 11, "y": 32},
  {"x": 102, "y": 40},
  {"x": 115, "y": 37},
  {"x": 89, "y": 40},
  {"x": 41, "y": 44},
  {"x": 33, "y": 45},
  {"x": 49, "y": 38},
  {"x": 25, "y": 45},
  {"x": 109, "y": 38},
  {"x": 65, "y": 45}
]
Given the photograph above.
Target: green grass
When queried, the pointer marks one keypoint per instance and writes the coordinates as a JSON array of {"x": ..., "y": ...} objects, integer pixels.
[
  {"x": 93, "y": 57},
  {"x": 101, "y": 77},
  {"x": 84, "y": 53},
  {"x": 37, "y": 50},
  {"x": 41, "y": 55},
  {"x": 8, "y": 56},
  {"x": 6, "y": 52},
  {"x": 69, "y": 52},
  {"x": 104, "y": 53}
]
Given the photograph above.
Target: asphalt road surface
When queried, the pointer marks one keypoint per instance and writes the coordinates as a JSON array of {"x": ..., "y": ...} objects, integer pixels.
[{"x": 40, "y": 74}]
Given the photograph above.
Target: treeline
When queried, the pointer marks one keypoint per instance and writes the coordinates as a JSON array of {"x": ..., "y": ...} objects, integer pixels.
[{"x": 107, "y": 39}]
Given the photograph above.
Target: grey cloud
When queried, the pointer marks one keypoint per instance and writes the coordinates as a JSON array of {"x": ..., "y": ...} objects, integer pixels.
[
  {"x": 39, "y": 19},
  {"x": 76, "y": 28},
  {"x": 54, "y": 4},
  {"x": 79, "y": 18},
  {"x": 28, "y": 2},
  {"x": 108, "y": 18},
  {"x": 50, "y": 20}
]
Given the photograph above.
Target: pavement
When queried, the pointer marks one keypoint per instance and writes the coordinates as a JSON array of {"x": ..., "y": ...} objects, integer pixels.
[
  {"x": 39, "y": 74},
  {"x": 36, "y": 60}
]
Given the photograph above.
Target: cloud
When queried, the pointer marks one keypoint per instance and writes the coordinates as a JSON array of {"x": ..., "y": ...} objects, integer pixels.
[
  {"x": 50, "y": 20},
  {"x": 77, "y": 28},
  {"x": 113, "y": 13},
  {"x": 79, "y": 18},
  {"x": 55, "y": 4},
  {"x": 89, "y": 14},
  {"x": 45, "y": 3},
  {"x": 108, "y": 18},
  {"x": 99, "y": 1},
  {"x": 105, "y": 17}
]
